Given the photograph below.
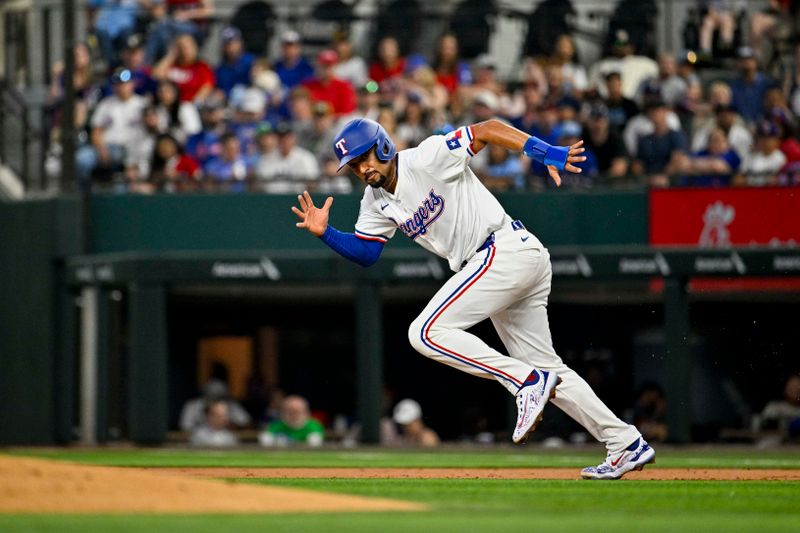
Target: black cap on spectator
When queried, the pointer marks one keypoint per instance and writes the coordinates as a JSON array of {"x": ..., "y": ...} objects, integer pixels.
[
  {"x": 767, "y": 129},
  {"x": 621, "y": 38},
  {"x": 322, "y": 108},
  {"x": 569, "y": 101},
  {"x": 134, "y": 41},
  {"x": 655, "y": 102},
  {"x": 283, "y": 128},
  {"x": 264, "y": 128},
  {"x": 598, "y": 111}
]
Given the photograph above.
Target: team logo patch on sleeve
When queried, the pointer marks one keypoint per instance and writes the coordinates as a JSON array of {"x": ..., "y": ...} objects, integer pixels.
[{"x": 454, "y": 140}]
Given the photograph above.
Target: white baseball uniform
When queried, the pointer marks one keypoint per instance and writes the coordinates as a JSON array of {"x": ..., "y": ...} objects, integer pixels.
[{"x": 502, "y": 272}]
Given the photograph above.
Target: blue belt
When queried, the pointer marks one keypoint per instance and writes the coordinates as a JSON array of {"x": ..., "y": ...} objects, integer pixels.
[{"x": 516, "y": 225}]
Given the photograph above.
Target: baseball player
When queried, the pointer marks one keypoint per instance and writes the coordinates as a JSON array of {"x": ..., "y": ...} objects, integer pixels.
[{"x": 502, "y": 271}]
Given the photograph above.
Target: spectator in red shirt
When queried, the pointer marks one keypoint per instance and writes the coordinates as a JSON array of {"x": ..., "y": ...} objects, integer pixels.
[
  {"x": 181, "y": 65},
  {"x": 389, "y": 63},
  {"x": 326, "y": 87},
  {"x": 450, "y": 70},
  {"x": 171, "y": 169}
]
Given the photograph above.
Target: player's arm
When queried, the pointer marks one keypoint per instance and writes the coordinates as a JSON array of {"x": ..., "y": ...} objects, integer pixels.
[
  {"x": 556, "y": 158},
  {"x": 348, "y": 245}
]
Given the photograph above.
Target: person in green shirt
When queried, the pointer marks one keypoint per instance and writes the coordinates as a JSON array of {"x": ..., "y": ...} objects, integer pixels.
[{"x": 295, "y": 426}]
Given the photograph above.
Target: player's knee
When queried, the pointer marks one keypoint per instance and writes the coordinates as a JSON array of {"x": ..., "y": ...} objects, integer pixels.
[{"x": 416, "y": 334}]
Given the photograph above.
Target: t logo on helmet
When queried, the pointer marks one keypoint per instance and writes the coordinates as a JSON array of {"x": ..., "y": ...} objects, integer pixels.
[{"x": 340, "y": 145}]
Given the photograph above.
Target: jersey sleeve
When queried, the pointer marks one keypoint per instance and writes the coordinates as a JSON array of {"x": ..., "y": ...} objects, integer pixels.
[
  {"x": 446, "y": 157},
  {"x": 372, "y": 225}
]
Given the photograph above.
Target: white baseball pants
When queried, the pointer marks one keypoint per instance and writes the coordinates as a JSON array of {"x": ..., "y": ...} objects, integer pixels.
[{"x": 509, "y": 282}]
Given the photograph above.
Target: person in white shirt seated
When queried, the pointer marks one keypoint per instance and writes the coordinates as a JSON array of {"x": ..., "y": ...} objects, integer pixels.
[
  {"x": 290, "y": 168},
  {"x": 215, "y": 432}
]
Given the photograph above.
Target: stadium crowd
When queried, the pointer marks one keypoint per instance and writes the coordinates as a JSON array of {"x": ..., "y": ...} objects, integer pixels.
[{"x": 155, "y": 116}]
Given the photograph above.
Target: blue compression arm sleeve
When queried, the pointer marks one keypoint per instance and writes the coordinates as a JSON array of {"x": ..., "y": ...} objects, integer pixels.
[
  {"x": 360, "y": 251},
  {"x": 545, "y": 153}
]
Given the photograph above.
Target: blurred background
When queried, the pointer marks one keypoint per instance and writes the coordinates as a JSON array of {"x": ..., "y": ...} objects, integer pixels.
[{"x": 155, "y": 290}]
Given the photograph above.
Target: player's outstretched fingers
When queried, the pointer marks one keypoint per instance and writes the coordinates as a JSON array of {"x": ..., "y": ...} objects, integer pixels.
[
  {"x": 309, "y": 201},
  {"x": 572, "y": 168},
  {"x": 328, "y": 202},
  {"x": 554, "y": 174},
  {"x": 302, "y": 202}
]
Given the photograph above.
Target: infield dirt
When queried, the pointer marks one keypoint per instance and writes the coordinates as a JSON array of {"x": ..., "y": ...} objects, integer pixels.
[{"x": 41, "y": 486}]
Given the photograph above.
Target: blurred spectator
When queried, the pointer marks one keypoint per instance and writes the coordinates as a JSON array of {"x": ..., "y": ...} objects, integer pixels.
[
  {"x": 620, "y": 108},
  {"x": 569, "y": 133},
  {"x": 292, "y": 68},
  {"x": 633, "y": 69},
  {"x": 649, "y": 412},
  {"x": 642, "y": 124},
  {"x": 783, "y": 415},
  {"x": 727, "y": 120},
  {"x": 660, "y": 154},
  {"x": 388, "y": 63},
  {"x": 750, "y": 86},
  {"x": 713, "y": 166},
  {"x": 180, "y": 119},
  {"x": 421, "y": 80},
  {"x": 230, "y": 170},
  {"x": 250, "y": 109},
  {"x": 668, "y": 84},
  {"x": 776, "y": 108},
  {"x": 413, "y": 125},
  {"x": 112, "y": 22},
  {"x": 331, "y": 180},
  {"x": 321, "y": 138},
  {"x": 606, "y": 143},
  {"x": 141, "y": 152},
  {"x": 408, "y": 415},
  {"x": 171, "y": 169},
  {"x": 295, "y": 426},
  {"x": 165, "y": 24},
  {"x": 351, "y": 67},
  {"x": 503, "y": 170},
  {"x": 116, "y": 128},
  {"x": 328, "y": 88},
  {"x": 573, "y": 75},
  {"x": 236, "y": 64},
  {"x": 485, "y": 75},
  {"x": 214, "y": 432},
  {"x": 133, "y": 59},
  {"x": 719, "y": 17},
  {"x": 451, "y": 71},
  {"x": 85, "y": 81},
  {"x": 181, "y": 65},
  {"x": 206, "y": 144},
  {"x": 193, "y": 411},
  {"x": 765, "y": 23},
  {"x": 765, "y": 161},
  {"x": 289, "y": 168}
]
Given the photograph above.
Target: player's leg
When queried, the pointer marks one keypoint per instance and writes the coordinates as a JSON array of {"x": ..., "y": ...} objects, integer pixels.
[
  {"x": 470, "y": 296},
  {"x": 525, "y": 331}
]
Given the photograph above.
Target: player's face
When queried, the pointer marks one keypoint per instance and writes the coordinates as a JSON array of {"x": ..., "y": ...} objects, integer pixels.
[{"x": 370, "y": 169}]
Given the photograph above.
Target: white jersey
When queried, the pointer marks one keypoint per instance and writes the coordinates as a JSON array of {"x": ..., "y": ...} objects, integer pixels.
[{"x": 438, "y": 200}]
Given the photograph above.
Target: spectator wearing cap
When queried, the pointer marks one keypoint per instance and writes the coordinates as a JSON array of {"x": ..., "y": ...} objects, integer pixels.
[
  {"x": 713, "y": 166},
  {"x": 728, "y": 121},
  {"x": 573, "y": 75},
  {"x": 182, "y": 66},
  {"x": 568, "y": 132},
  {"x": 606, "y": 143},
  {"x": 234, "y": 68},
  {"x": 192, "y": 412},
  {"x": 620, "y": 108},
  {"x": 667, "y": 83},
  {"x": 413, "y": 127},
  {"x": 351, "y": 67},
  {"x": 292, "y": 68},
  {"x": 326, "y": 87},
  {"x": 662, "y": 153},
  {"x": 323, "y": 132},
  {"x": 116, "y": 127},
  {"x": 408, "y": 415},
  {"x": 633, "y": 68},
  {"x": 765, "y": 161},
  {"x": 250, "y": 113},
  {"x": 133, "y": 58},
  {"x": 388, "y": 62},
  {"x": 642, "y": 124},
  {"x": 749, "y": 88},
  {"x": 206, "y": 144},
  {"x": 230, "y": 170},
  {"x": 180, "y": 119},
  {"x": 289, "y": 168}
]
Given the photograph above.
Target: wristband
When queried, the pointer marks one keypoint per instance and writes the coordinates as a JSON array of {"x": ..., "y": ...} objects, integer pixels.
[{"x": 546, "y": 154}]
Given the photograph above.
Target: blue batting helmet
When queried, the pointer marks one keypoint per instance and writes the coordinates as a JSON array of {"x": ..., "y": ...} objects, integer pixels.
[{"x": 358, "y": 136}]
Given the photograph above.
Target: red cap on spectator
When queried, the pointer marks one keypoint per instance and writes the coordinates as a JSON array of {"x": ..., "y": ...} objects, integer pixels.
[{"x": 328, "y": 57}]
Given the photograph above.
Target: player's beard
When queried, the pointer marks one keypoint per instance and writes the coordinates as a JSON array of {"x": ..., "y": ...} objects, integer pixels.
[{"x": 380, "y": 182}]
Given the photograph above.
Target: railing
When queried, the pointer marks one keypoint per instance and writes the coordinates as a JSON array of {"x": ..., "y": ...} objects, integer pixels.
[{"x": 23, "y": 144}]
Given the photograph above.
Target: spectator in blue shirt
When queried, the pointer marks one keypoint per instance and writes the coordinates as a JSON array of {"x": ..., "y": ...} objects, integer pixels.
[
  {"x": 713, "y": 166},
  {"x": 292, "y": 68},
  {"x": 749, "y": 88},
  {"x": 236, "y": 62},
  {"x": 207, "y": 144},
  {"x": 113, "y": 22},
  {"x": 230, "y": 171},
  {"x": 662, "y": 153}
]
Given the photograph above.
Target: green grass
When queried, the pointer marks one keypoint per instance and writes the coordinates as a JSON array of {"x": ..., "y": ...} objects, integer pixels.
[
  {"x": 466, "y": 505},
  {"x": 516, "y": 457}
]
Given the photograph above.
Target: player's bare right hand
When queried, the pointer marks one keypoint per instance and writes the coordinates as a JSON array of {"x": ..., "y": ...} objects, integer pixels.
[{"x": 312, "y": 218}]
